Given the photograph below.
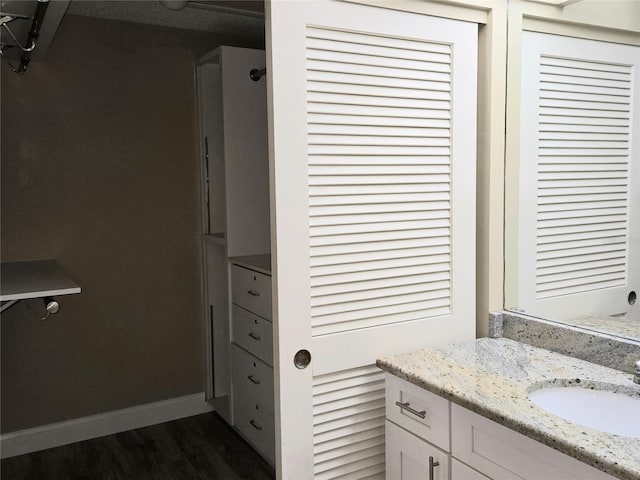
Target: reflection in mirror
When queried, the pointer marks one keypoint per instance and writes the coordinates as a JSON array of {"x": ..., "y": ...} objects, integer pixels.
[{"x": 573, "y": 182}]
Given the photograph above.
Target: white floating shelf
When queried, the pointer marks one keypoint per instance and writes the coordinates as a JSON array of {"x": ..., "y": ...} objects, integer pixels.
[{"x": 34, "y": 279}]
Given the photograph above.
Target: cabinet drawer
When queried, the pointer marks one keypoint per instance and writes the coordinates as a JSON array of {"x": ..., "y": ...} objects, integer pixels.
[
  {"x": 252, "y": 377},
  {"x": 407, "y": 457},
  {"x": 501, "y": 453},
  {"x": 251, "y": 290},
  {"x": 256, "y": 423},
  {"x": 423, "y": 413},
  {"x": 253, "y": 333}
]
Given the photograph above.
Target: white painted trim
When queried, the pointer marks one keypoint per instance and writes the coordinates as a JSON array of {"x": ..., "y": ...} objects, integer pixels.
[{"x": 85, "y": 428}]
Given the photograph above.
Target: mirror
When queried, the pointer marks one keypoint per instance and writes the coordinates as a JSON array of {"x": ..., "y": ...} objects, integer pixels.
[{"x": 572, "y": 193}]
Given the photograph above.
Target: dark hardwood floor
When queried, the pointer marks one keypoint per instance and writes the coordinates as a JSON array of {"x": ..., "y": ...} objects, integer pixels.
[{"x": 200, "y": 447}]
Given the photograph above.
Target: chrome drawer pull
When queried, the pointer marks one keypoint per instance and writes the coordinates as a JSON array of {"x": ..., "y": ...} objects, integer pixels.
[
  {"x": 253, "y": 380},
  {"x": 255, "y": 425},
  {"x": 405, "y": 406},
  {"x": 255, "y": 336},
  {"x": 253, "y": 292},
  {"x": 432, "y": 465}
]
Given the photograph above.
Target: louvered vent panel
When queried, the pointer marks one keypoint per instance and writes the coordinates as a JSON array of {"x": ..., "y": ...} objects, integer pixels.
[
  {"x": 379, "y": 144},
  {"x": 348, "y": 424},
  {"x": 583, "y": 176}
]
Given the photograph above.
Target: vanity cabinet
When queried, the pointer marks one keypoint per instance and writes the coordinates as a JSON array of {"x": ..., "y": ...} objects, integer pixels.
[
  {"x": 429, "y": 437},
  {"x": 252, "y": 352}
]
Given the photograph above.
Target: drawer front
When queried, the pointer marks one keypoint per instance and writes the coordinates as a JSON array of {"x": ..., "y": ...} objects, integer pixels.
[
  {"x": 253, "y": 333},
  {"x": 422, "y": 412},
  {"x": 408, "y": 457},
  {"x": 256, "y": 423},
  {"x": 251, "y": 290},
  {"x": 499, "y": 452},
  {"x": 251, "y": 376}
]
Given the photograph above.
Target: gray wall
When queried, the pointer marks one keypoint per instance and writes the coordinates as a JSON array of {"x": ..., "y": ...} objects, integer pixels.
[{"x": 100, "y": 171}]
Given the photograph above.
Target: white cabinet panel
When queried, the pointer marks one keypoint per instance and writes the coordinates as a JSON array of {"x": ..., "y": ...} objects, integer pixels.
[
  {"x": 459, "y": 471},
  {"x": 252, "y": 376},
  {"x": 246, "y": 152},
  {"x": 409, "y": 458},
  {"x": 255, "y": 421},
  {"x": 253, "y": 333},
  {"x": 422, "y": 412},
  {"x": 502, "y": 453},
  {"x": 251, "y": 290}
]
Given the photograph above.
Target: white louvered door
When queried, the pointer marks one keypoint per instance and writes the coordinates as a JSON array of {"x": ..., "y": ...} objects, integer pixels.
[
  {"x": 372, "y": 136},
  {"x": 580, "y": 177}
]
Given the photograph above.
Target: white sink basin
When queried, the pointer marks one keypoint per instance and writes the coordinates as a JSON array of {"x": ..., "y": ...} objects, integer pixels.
[{"x": 602, "y": 410}]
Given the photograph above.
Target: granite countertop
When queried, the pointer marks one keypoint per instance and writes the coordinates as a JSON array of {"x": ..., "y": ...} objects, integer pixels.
[{"x": 492, "y": 377}]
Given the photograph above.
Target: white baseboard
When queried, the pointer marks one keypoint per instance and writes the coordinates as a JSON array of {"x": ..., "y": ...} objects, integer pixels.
[{"x": 85, "y": 428}]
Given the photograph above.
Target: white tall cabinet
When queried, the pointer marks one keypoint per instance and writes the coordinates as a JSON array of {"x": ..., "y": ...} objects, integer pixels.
[{"x": 235, "y": 194}]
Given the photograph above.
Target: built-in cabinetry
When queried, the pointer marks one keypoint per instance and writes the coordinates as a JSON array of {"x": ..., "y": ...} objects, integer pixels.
[
  {"x": 252, "y": 352},
  {"x": 428, "y": 437},
  {"x": 236, "y": 241}
]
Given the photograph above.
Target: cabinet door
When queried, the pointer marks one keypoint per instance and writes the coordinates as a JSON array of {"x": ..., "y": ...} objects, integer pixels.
[
  {"x": 372, "y": 135},
  {"x": 503, "y": 454},
  {"x": 459, "y": 471},
  {"x": 408, "y": 457}
]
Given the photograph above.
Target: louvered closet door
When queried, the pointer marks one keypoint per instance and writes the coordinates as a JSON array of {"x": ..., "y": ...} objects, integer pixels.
[
  {"x": 372, "y": 135},
  {"x": 580, "y": 177}
]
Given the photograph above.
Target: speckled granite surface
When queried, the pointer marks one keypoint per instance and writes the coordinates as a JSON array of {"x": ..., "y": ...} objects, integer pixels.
[
  {"x": 618, "y": 326},
  {"x": 492, "y": 378},
  {"x": 596, "y": 347}
]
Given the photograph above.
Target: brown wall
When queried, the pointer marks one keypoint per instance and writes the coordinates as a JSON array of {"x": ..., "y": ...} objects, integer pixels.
[{"x": 100, "y": 171}]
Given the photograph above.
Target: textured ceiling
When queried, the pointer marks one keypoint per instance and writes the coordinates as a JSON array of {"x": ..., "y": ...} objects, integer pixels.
[
  {"x": 240, "y": 18},
  {"x": 233, "y": 19}
]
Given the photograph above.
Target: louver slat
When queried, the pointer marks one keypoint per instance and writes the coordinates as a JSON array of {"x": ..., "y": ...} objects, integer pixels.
[
  {"x": 583, "y": 176},
  {"x": 379, "y": 145},
  {"x": 348, "y": 431},
  {"x": 376, "y": 71}
]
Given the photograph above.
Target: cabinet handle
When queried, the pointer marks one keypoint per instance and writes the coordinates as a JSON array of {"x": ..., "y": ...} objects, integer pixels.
[
  {"x": 255, "y": 336},
  {"x": 255, "y": 425},
  {"x": 432, "y": 465},
  {"x": 254, "y": 293},
  {"x": 253, "y": 380},
  {"x": 406, "y": 406}
]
